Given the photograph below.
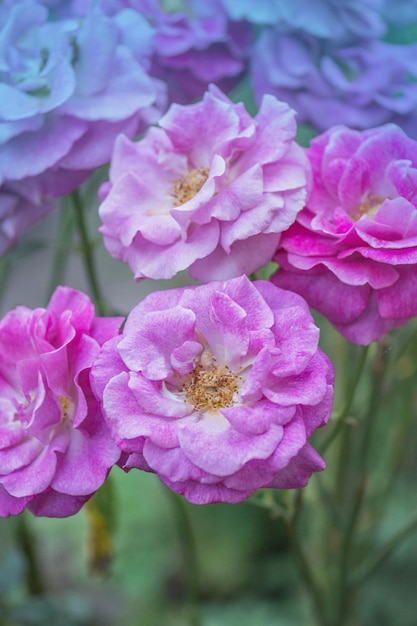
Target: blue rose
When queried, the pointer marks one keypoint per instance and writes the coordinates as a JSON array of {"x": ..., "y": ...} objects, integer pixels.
[{"x": 68, "y": 87}]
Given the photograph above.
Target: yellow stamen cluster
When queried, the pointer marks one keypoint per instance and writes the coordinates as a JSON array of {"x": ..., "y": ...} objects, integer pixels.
[
  {"x": 369, "y": 206},
  {"x": 189, "y": 186},
  {"x": 66, "y": 407},
  {"x": 210, "y": 387}
]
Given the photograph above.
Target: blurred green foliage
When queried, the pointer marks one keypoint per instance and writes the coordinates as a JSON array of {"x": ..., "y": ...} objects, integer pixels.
[{"x": 247, "y": 575}]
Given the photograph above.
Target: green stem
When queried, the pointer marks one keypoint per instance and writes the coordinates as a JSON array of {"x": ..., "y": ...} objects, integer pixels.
[
  {"x": 100, "y": 512},
  {"x": 188, "y": 546},
  {"x": 265, "y": 499},
  {"x": 344, "y": 465},
  {"x": 407, "y": 344},
  {"x": 87, "y": 250},
  {"x": 27, "y": 544},
  {"x": 341, "y": 419},
  {"x": 380, "y": 555},
  {"x": 356, "y": 492},
  {"x": 62, "y": 248},
  {"x": 329, "y": 505},
  {"x": 5, "y": 267},
  {"x": 303, "y": 564}
]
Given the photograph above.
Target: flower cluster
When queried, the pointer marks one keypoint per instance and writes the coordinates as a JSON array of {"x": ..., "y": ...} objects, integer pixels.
[
  {"x": 211, "y": 190},
  {"x": 55, "y": 447},
  {"x": 216, "y": 389},
  {"x": 353, "y": 251}
]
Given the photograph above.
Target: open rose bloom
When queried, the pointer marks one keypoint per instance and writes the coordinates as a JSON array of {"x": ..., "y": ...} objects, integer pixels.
[
  {"x": 353, "y": 251},
  {"x": 217, "y": 388},
  {"x": 210, "y": 189},
  {"x": 55, "y": 447}
]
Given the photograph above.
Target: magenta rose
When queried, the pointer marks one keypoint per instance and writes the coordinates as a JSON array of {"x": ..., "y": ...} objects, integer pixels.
[
  {"x": 55, "y": 447},
  {"x": 211, "y": 189},
  {"x": 216, "y": 389},
  {"x": 353, "y": 251}
]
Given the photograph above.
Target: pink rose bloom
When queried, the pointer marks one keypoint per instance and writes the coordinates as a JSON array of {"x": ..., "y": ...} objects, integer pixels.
[
  {"x": 353, "y": 250},
  {"x": 211, "y": 189},
  {"x": 216, "y": 389},
  {"x": 55, "y": 447}
]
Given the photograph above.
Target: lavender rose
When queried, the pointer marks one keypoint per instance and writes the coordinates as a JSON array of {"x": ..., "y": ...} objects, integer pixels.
[
  {"x": 195, "y": 44},
  {"x": 211, "y": 189},
  {"x": 217, "y": 388},
  {"x": 327, "y": 19},
  {"x": 361, "y": 84},
  {"x": 55, "y": 447},
  {"x": 353, "y": 251}
]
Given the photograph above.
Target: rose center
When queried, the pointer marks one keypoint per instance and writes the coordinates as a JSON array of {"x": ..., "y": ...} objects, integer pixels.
[
  {"x": 189, "y": 186},
  {"x": 369, "y": 206},
  {"x": 66, "y": 408},
  {"x": 209, "y": 386}
]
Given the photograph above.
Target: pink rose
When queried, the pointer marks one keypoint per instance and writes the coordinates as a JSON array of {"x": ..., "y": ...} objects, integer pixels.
[
  {"x": 217, "y": 388},
  {"x": 353, "y": 251},
  {"x": 211, "y": 189},
  {"x": 55, "y": 447}
]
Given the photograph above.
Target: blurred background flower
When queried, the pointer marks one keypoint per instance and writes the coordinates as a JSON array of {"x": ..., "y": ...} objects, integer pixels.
[
  {"x": 360, "y": 85},
  {"x": 58, "y": 117},
  {"x": 338, "y": 20},
  {"x": 195, "y": 44}
]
